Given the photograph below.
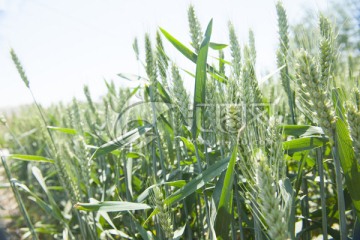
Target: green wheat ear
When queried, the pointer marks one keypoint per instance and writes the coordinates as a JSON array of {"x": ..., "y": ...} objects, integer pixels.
[
  {"x": 195, "y": 29},
  {"x": 19, "y": 67},
  {"x": 314, "y": 93},
  {"x": 136, "y": 48},
  {"x": 357, "y": 98},
  {"x": 163, "y": 216},
  {"x": 282, "y": 56},
  {"x": 179, "y": 93},
  {"x": 3, "y": 119},
  {"x": 252, "y": 46},
  {"x": 327, "y": 52},
  {"x": 150, "y": 67},
  {"x": 270, "y": 202},
  {"x": 235, "y": 52},
  {"x": 162, "y": 59},
  {"x": 354, "y": 123}
]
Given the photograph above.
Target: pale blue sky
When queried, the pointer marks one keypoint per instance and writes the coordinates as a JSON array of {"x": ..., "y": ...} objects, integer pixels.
[{"x": 66, "y": 44}]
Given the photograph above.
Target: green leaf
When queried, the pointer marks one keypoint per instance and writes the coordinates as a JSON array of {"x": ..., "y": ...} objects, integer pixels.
[
  {"x": 222, "y": 61},
  {"x": 224, "y": 216},
  {"x": 132, "y": 77},
  {"x": 28, "y": 133},
  {"x": 63, "y": 130},
  {"x": 184, "y": 50},
  {"x": 37, "y": 173},
  {"x": 145, "y": 235},
  {"x": 190, "y": 146},
  {"x": 302, "y": 130},
  {"x": 146, "y": 192},
  {"x": 179, "y": 233},
  {"x": 163, "y": 93},
  {"x": 134, "y": 155},
  {"x": 338, "y": 97},
  {"x": 153, "y": 213},
  {"x": 121, "y": 141},
  {"x": 200, "y": 82},
  {"x": 55, "y": 206},
  {"x": 198, "y": 182},
  {"x": 179, "y": 46},
  {"x": 31, "y": 158},
  {"x": 218, "y": 77},
  {"x": 348, "y": 162},
  {"x": 42, "y": 204},
  {"x": 111, "y": 206},
  {"x": 217, "y": 46},
  {"x": 306, "y": 143}
]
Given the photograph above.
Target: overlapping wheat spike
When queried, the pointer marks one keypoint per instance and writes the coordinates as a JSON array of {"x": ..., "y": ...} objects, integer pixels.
[
  {"x": 314, "y": 94},
  {"x": 221, "y": 62},
  {"x": 326, "y": 50},
  {"x": 92, "y": 105},
  {"x": 19, "y": 68},
  {"x": 235, "y": 84},
  {"x": 150, "y": 67},
  {"x": 181, "y": 97},
  {"x": 210, "y": 111},
  {"x": 282, "y": 56},
  {"x": 246, "y": 96},
  {"x": 246, "y": 145},
  {"x": 255, "y": 89},
  {"x": 195, "y": 29},
  {"x": 252, "y": 47},
  {"x": 163, "y": 215},
  {"x": 270, "y": 200},
  {"x": 232, "y": 99},
  {"x": 162, "y": 59},
  {"x": 235, "y": 50},
  {"x": 236, "y": 89},
  {"x": 353, "y": 115},
  {"x": 77, "y": 120},
  {"x": 357, "y": 98},
  {"x": 273, "y": 147},
  {"x": 135, "y": 46},
  {"x": 252, "y": 94}
]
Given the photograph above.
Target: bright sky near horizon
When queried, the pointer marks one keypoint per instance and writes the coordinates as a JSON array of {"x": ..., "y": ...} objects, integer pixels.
[{"x": 65, "y": 44}]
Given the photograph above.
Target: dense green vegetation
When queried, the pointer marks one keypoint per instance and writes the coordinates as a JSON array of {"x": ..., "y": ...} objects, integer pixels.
[{"x": 234, "y": 159}]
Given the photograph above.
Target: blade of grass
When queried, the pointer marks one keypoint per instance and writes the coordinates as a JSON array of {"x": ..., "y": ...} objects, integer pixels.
[
  {"x": 31, "y": 158},
  {"x": 19, "y": 199},
  {"x": 111, "y": 206},
  {"x": 200, "y": 82},
  {"x": 348, "y": 162},
  {"x": 224, "y": 213},
  {"x": 121, "y": 141},
  {"x": 198, "y": 182},
  {"x": 186, "y": 51},
  {"x": 63, "y": 130}
]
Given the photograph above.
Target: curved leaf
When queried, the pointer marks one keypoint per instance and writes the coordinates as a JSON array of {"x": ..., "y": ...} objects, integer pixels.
[
  {"x": 200, "y": 82},
  {"x": 223, "y": 216},
  {"x": 31, "y": 158},
  {"x": 111, "y": 206},
  {"x": 198, "y": 182},
  {"x": 63, "y": 130},
  {"x": 306, "y": 143},
  {"x": 121, "y": 141},
  {"x": 348, "y": 163},
  {"x": 217, "y": 46}
]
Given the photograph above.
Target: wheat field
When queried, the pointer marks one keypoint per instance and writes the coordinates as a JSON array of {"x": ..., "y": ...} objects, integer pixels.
[{"x": 233, "y": 158}]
